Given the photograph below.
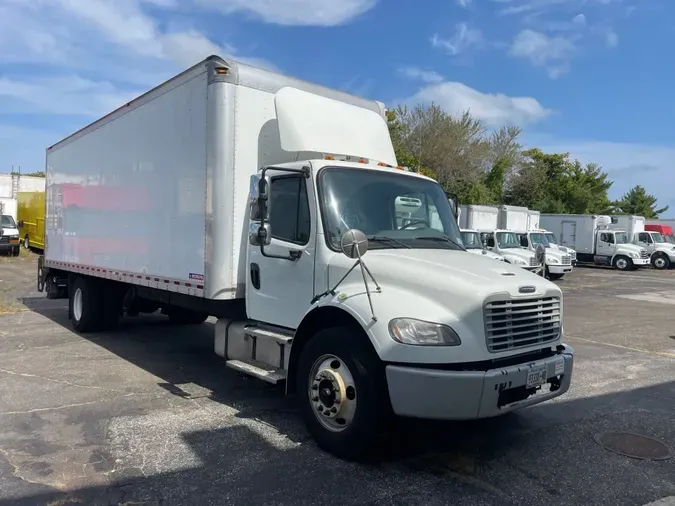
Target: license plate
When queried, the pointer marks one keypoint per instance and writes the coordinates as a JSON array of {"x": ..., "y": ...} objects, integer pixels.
[{"x": 536, "y": 377}]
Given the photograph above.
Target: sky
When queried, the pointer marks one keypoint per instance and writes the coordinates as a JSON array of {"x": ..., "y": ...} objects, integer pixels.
[{"x": 589, "y": 77}]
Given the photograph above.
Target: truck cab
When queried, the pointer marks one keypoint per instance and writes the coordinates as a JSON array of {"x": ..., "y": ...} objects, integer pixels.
[
  {"x": 614, "y": 244},
  {"x": 473, "y": 244},
  {"x": 662, "y": 253},
  {"x": 558, "y": 263},
  {"x": 9, "y": 235},
  {"x": 665, "y": 230},
  {"x": 507, "y": 244}
]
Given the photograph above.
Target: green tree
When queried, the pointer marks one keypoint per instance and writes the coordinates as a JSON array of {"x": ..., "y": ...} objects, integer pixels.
[{"x": 639, "y": 203}]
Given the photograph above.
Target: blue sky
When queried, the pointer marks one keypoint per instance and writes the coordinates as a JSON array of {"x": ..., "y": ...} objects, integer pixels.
[{"x": 593, "y": 77}]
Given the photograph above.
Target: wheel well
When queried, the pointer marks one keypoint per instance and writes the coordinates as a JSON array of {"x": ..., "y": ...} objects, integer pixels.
[{"x": 318, "y": 319}]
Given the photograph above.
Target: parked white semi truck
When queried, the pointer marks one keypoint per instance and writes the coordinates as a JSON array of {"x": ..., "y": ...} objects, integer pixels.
[
  {"x": 662, "y": 253},
  {"x": 596, "y": 240},
  {"x": 558, "y": 263},
  {"x": 271, "y": 204},
  {"x": 553, "y": 241},
  {"x": 473, "y": 243},
  {"x": 485, "y": 219}
]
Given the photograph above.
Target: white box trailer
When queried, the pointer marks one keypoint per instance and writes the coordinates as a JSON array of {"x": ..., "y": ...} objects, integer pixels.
[
  {"x": 595, "y": 239},
  {"x": 533, "y": 219},
  {"x": 276, "y": 205},
  {"x": 480, "y": 218},
  {"x": 513, "y": 218}
]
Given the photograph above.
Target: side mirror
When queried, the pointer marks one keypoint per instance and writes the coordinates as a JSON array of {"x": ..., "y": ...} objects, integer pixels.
[
  {"x": 354, "y": 243},
  {"x": 540, "y": 254},
  {"x": 258, "y": 198},
  {"x": 20, "y": 224},
  {"x": 259, "y": 235}
]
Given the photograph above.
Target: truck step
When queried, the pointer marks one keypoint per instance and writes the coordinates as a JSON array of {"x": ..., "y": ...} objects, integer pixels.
[
  {"x": 258, "y": 370},
  {"x": 265, "y": 333}
]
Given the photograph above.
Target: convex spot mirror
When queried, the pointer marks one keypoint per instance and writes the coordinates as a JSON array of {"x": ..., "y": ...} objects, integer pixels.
[
  {"x": 259, "y": 198},
  {"x": 354, "y": 243}
]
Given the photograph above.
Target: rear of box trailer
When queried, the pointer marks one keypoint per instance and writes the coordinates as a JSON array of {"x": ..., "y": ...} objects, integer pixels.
[
  {"x": 576, "y": 231},
  {"x": 155, "y": 193}
]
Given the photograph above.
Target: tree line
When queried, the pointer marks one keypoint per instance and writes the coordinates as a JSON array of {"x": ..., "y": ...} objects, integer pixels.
[{"x": 482, "y": 167}]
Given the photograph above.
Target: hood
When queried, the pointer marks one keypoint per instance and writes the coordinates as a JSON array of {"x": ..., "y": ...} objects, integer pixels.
[
  {"x": 444, "y": 271},
  {"x": 631, "y": 247},
  {"x": 485, "y": 253},
  {"x": 8, "y": 231},
  {"x": 664, "y": 246}
]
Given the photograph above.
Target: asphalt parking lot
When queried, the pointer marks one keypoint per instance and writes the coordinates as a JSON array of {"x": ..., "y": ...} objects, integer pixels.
[{"x": 149, "y": 415}]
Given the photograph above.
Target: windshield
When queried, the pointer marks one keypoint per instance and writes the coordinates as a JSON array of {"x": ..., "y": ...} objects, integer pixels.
[
  {"x": 551, "y": 238},
  {"x": 621, "y": 238},
  {"x": 393, "y": 210},
  {"x": 507, "y": 240},
  {"x": 472, "y": 240},
  {"x": 656, "y": 237},
  {"x": 539, "y": 238},
  {"x": 7, "y": 221},
  {"x": 669, "y": 238}
]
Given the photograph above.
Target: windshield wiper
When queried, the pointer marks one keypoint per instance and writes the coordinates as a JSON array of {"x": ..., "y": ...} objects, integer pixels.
[
  {"x": 441, "y": 239},
  {"x": 384, "y": 238}
]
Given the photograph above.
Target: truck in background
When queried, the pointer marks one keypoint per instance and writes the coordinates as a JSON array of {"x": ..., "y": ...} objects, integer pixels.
[
  {"x": 9, "y": 235},
  {"x": 272, "y": 205},
  {"x": 595, "y": 240},
  {"x": 662, "y": 253},
  {"x": 31, "y": 219},
  {"x": 473, "y": 243},
  {"x": 553, "y": 241},
  {"x": 557, "y": 263},
  {"x": 666, "y": 231},
  {"x": 485, "y": 220}
]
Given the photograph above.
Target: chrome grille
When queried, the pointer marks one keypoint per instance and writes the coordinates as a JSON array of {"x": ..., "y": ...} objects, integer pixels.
[
  {"x": 512, "y": 324},
  {"x": 574, "y": 255},
  {"x": 644, "y": 253},
  {"x": 533, "y": 262},
  {"x": 566, "y": 260}
]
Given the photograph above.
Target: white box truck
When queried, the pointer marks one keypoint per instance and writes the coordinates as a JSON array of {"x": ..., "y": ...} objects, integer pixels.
[
  {"x": 595, "y": 240},
  {"x": 274, "y": 205},
  {"x": 484, "y": 220},
  {"x": 533, "y": 218},
  {"x": 662, "y": 253}
]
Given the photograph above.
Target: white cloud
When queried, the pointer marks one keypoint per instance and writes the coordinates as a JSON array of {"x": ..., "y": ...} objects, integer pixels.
[
  {"x": 541, "y": 50},
  {"x": 627, "y": 164},
  {"x": 296, "y": 12},
  {"x": 494, "y": 109},
  {"x": 463, "y": 38},
  {"x": 428, "y": 76},
  {"x": 579, "y": 19},
  {"x": 464, "y": 3}
]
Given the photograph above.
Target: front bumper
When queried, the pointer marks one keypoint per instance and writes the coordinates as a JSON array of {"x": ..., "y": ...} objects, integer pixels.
[
  {"x": 464, "y": 395},
  {"x": 559, "y": 269},
  {"x": 641, "y": 262},
  {"x": 8, "y": 246}
]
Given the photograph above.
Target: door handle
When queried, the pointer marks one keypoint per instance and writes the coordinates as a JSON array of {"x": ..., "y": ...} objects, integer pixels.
[{"x": 255, "y": 276}]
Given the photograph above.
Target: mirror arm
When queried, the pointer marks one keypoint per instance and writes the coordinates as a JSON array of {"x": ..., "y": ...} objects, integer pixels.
[{"x": 293, "y": 254}]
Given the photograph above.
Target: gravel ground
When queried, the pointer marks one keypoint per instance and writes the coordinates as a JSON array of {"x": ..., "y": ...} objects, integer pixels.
[{"x": 150, "y": 415}]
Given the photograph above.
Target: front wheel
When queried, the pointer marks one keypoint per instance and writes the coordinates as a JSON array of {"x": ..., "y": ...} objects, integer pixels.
[
  {"x": 623, "y": 263},
  {"x": 343, "y": 393},
  {"x": 660, "y": 262},
  {"x": 26, "y": 242}
]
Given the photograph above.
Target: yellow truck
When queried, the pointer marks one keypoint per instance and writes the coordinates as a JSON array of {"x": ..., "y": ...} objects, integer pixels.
[{"x": 31, "y": 219}]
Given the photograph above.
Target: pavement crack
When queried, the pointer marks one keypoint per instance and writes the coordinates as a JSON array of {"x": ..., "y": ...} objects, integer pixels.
[{"x": 62, "y": 382}]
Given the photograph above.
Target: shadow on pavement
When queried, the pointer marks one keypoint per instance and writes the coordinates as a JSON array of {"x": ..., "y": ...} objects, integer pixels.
[{"x": 541, "y": 455}]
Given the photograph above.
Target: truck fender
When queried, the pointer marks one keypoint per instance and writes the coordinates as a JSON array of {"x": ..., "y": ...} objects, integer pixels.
[{"x": 317, "y": 318}]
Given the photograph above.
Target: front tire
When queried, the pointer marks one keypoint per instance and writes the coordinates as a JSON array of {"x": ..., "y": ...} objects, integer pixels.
[
  {"x": 660, "y": 262},
  {"x": 26, "y": 243},
  {"x": 623, "y": 263},
  {"x": 343, "y": 393}
]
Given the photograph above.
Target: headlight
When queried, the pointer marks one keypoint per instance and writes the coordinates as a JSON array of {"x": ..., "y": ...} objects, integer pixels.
[
  {"x": 634, "y": 255},
  {"x": 421, "y": 333},
  {"x": 519, "y": 261},
  {"x": 552, "y": 260}
]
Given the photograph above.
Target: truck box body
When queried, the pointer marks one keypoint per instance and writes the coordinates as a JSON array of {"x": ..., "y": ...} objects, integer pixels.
[
  {"x": 31, "y": 218},
  {"x": 633, "y": 225},
  {"x": 513, "y": 218},
  {"x": 533, "y": 219},
  {"x": 155, "y": 192},
  {"x": 482, "y": 218},
  {"x": 576, "y": 231}
]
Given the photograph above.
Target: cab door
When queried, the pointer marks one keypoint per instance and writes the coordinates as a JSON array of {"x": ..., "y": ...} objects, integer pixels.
[
  {"x": 606, "y": 244},
  {"x": 279, "y": 289}
]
